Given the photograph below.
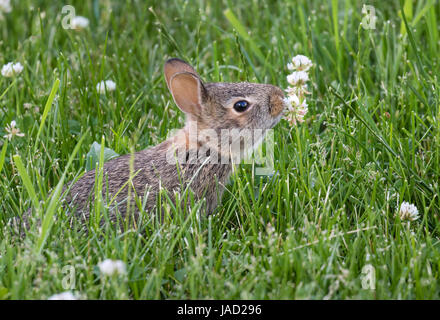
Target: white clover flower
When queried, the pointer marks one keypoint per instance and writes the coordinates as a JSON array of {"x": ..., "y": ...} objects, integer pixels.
[
  {"x": 292, "y": 100},
  {"x": 300, "y": 63},
  {"x": 108, "y": 85},
  {"x": 296, "y": 102},
  {"x": 297, "y": 78},
  {"x": 11, "y": 69},
  {"x": 63, "y": 296},
  {"x": 5, "y": 6},
  {"x": 408, "y": 211},
  {"x": 110, "y": 267},
  {"x": 79, "y": 23},
  {"x": 12, "y": 131},
  {"x": 299, "y": 91},
  {"x": 296, "y": 109}
]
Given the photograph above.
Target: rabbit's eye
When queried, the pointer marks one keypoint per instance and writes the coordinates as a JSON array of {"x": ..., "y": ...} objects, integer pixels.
[{"x": 241, "y": 106}]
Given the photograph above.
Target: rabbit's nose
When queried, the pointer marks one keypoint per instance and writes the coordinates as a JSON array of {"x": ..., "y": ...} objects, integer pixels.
[{"x": 276, "y": 103}]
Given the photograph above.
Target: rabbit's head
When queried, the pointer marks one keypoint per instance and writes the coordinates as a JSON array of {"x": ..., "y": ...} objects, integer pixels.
[
  {"x": 221, "y": 105},
  {"x": 244, "y": 110}
]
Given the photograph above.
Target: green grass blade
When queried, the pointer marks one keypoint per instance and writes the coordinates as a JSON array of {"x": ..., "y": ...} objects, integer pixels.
[
  {"x": 3, "y": 154},
  {"x": 54, "y": 201},
  {"x": 7, "y": 89},
  {"x": 47, "y": 107},
  {"x": 241, "y": 30},
  {"x": 26, "y": 180}
]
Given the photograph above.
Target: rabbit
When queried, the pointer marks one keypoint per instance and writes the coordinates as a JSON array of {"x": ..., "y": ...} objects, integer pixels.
[{"x": 212, "y": 106}]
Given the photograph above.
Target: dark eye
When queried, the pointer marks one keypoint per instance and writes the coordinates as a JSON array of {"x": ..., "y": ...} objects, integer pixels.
[{"x": 241, "y": 106}]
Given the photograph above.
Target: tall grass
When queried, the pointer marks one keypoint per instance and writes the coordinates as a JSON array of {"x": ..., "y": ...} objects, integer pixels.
[{"x": 371, "y": 141}]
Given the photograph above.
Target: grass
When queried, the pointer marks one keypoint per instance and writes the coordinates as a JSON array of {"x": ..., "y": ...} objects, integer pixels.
[{"x": 371, "y": 141}]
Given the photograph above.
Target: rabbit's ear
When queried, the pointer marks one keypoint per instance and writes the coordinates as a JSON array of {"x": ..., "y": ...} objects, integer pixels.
[
  {"x": 188, "y": 92},
  {"x": 185, "y": 86},
  {"x": 173, "y": 66}
]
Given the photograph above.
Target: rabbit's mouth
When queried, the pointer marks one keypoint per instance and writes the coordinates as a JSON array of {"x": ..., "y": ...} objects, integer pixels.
[{"x": 276, "y": 120}]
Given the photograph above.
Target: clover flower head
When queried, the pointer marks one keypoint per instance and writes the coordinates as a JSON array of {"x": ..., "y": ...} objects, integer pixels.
[
  {"x": 63, "y": 296},
  {"x": 296, "y": 105},
  {"x": 12, "y": 131},
  {"x": 298, "y": 78},
  {"x": 107, "y": 85},
  {"x": 296, "y": 109},
  {"x": 408, "y": 211},
  {"x": 300, "y": 63},
  {"x": 5, "y": 6},
  {"x": 111, "y": 267},
  {"x": 11, "y": 69},
  {"x": 79, "y": 23}
]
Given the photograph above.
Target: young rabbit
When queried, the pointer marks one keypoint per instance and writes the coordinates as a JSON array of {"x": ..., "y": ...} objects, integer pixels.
[{"x": 213, "y": 106}]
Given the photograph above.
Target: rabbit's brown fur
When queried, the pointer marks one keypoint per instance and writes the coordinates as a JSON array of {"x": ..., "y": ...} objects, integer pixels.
[{"x": 210, "y": 106}]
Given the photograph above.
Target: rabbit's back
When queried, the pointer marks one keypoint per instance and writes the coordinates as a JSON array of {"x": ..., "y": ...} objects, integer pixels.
[{"x": 150, "y": 172}]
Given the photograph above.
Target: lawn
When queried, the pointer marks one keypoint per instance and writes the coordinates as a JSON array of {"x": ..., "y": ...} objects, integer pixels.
[{"x": 325, "y": 225}]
